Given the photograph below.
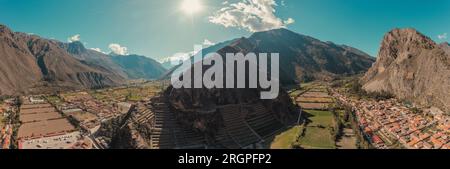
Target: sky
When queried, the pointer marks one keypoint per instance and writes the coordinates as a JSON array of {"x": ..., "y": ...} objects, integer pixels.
[{"x": 162, "y": 28}]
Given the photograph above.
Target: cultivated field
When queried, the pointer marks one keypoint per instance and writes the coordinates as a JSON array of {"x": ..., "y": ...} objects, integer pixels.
[
  {"x": 314, "y": 106},
  {"x": 124, "y": 94},
  {"x": 43, "y": 128},
  {"x": 34, "y": 106},
  {"x": 26, "y": 118},
  {"x": 315, "y": 99},
  {"x": 83, "y": 116},
  {"x": 318, "y": 131}
]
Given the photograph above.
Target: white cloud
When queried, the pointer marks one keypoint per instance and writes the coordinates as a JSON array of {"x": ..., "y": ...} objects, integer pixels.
[
  {"x": 251, "y": 15},
  {"x": 289, "y": 21},
  {"x": 176, "y": 58},
  {"x": 98, "y": 50},
  {"x": 283, "y": 3},
  {"x": 443, "y": 36},
  {"x": 74, "y": 38},
  {"x": 117, "y": 49},
  {"x": 208, "y": 43}
]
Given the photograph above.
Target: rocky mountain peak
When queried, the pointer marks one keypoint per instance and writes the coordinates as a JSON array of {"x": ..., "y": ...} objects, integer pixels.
[
  {"x": 4, "y": 30},
  {"x": 76, "y": 47},
  {"x": 412, "y": 67},
  {"x": 400, "y": 45},
  {"x": 408, "y": 39}
]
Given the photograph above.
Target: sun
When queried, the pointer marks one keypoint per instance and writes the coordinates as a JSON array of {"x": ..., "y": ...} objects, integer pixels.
[{"x": 191, "y": 6}]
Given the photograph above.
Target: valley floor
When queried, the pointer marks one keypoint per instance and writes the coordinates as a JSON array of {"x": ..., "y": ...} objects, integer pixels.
[{"x": 319, "y": 128}]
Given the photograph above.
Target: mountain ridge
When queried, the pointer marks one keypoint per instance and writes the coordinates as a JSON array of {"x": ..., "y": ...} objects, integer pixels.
[
  {"x": 412, "y": 67},
  {"x": 30, "y": 62},
  {"x": 306, "y": 58}
]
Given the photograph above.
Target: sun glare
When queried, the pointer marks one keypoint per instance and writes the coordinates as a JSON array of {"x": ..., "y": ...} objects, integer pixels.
[{"x": 191, "y": 6}]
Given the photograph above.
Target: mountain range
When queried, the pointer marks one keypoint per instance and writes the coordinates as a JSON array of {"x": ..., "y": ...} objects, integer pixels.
[
  {"x": 303, "y": 58},
  {"x": 31, "y": 64}
]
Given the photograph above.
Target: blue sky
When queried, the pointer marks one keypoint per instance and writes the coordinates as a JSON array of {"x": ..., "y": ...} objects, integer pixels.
[{"x": 160, "y": 28}]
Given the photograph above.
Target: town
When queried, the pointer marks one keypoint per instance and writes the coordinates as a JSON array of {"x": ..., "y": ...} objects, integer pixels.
[
  {"x": 73, "y": 120},
  {"x": 390, "y": 123},
  {"x": 67, "y": 120}
]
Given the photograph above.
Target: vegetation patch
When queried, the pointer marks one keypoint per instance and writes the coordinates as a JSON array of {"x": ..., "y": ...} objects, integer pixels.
[
  {"x": 286, "y": 139},
  {"x": 318, "y": 133}
]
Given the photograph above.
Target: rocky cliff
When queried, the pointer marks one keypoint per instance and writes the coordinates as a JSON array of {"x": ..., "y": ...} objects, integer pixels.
[{"x": 412, "y": 67}]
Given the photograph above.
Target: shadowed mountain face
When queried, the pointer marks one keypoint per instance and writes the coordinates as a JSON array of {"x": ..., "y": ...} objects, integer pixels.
[
  {"x": 33, "y": 64},
  {"x": 413, "y": 67},
  {"x": 305, "y": 58}
]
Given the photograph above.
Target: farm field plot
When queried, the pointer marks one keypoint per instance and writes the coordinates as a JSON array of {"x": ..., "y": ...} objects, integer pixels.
[
  {"x": 314, "y": 106},
  {"x": 55, "y": 100},
  {"x": 324, "y": 118},
  {"x": 316, "y": 94},
  {"x": 317, "y": 138},
  {"x": 317, "y": 134},
  {"x": 315, "y": 99},
  {"x": 123, "y": 94},
  {"x": 44, "y": 128},
  {"x": 26, "y": 118},
  {"x": 83, "y": 116}
]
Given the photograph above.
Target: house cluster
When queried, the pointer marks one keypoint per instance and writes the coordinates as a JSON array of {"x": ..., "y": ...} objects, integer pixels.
[
  {"x": 389, "y": 122},
  {"x": 89, "y": 113},
  {"x": 103, "y": 109},
  {"x": 6, "y": 128}
]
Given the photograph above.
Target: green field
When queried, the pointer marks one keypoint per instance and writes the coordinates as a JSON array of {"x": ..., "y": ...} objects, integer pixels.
[
  {"x": 318, "y": 131},
  {"x": 324, "y": 118},
  {"x": 285, "y": 139},
  {"x": 317, "y": 138},
  {"x": 54, "y": 100},
  {"x": 295, "y": 93},
  {"x": 133, "y": 97},
  {"x": 1, "y": 122}
]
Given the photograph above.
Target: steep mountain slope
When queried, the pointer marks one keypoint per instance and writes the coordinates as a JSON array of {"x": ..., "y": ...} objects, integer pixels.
[
  {"x": 446, "y": 47},
  {"x": 33, "y": 64},
  {"x": 137, "y": 67},
  {"x": 237, "y": 111},
  {"x": 413, "y": 67},
  {"x": 129, "y": 66},
  {"x": 92, "y": 57},
  {"x": 305, "y": 58}
]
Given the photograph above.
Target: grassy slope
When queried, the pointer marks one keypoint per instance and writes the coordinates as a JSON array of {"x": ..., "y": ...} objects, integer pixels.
[{"x": 285, "y": 139}]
